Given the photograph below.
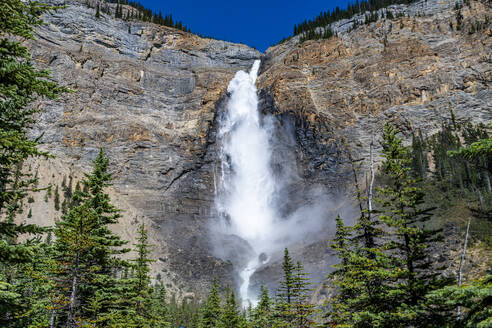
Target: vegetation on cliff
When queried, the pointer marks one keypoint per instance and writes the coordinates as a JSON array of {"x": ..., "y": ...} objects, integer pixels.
[{"x": 317, "y": 28}]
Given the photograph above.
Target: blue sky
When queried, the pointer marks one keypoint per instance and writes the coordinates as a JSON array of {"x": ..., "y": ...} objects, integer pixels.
[{"x": 256, "y": 23}]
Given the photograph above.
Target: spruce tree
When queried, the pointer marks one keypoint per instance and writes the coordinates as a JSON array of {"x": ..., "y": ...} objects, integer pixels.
[
  {"x": 20, "y": 84},
  {"x": 229, "y": 317},
  {"x": 135, "y": 304},
  {"x": 85, "y": 250},
  {"x": 303, "y": 309},
  {"x": 285, "y": 297},
  {"x": 261, "y": 315},
  {"x": 405, "y": 213},
  {"x": 211, "y": 310}
]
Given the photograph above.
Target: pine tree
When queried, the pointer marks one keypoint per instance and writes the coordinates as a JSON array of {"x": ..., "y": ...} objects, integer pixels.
[
  {"x": 406, "y": 214},
  {"x": 20, "y": 84},
  {"x": 97, "y": 11},
  {"x": 86, "y": 248},
  {"x": 285, "y": 292},
  {"x": 229, "y": 317},
  {"x": 211, "y": 310},
  {"x": 261, "y": 315}
]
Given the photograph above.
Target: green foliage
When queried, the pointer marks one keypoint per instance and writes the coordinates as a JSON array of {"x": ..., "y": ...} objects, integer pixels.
[
  {"x": 406, "y": 214},
  {"x": 262, "y": 314},
  {"x": 474, "y": 299},
  {"x": 138, "y": 12},
  {"x": 460, "y": 179},
  {"x": 211, "y": 310},
  {"x": 292, "y": 307},
  {"x": 85, "y": 251},
  {"x": 474, "y": 151},
  {"x": 229, "y": 318},
  {"x": 385, "y": 271},
  {"x": 20, "y": 84}
]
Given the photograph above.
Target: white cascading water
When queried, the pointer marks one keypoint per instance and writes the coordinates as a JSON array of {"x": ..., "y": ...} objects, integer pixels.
[{"x": 247, "y": 184}]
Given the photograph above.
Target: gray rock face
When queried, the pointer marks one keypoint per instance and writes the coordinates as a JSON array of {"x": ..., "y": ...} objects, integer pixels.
[
  {"x": 148, "y": 95},
  {"x": 151, "y": 96}
]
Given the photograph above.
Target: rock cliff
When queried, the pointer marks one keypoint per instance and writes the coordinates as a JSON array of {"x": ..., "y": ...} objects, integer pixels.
[
  {"x": 411, "y": 71},
  {"x": 151, "y": 95}
]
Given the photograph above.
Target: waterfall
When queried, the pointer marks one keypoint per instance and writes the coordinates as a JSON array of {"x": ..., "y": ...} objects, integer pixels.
[{"x": 247, "y": 184}]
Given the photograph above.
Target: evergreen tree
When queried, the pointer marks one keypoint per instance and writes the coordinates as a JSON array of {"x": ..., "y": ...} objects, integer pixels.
[
  {"x": 261, "y": 315},
  {"x": 406, "y": 215},
  {"x": 31, "y": 280},
  {"x": 475, "y": 299},
  {"x": 303, "y": 309},
  {"x": 136, "y": 306},
  {"x": 285, "y": 292},
  {"x": 211, "y": 310},
  {"x": 57, "y": 199},
  {"x": 419, "y": 156},
  {"x": 20, "y": 84},
  {"x": 229, "y": 317},
  {"x": 86, "y": 248},
  {"x": 159, "y": 308}
]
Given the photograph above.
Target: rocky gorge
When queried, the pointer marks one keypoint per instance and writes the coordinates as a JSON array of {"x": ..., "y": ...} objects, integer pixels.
[{"x": 152, "y": 95}]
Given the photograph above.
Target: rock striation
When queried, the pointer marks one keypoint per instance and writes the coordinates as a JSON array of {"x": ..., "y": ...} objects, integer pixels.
[{"x": 148, "y": 94}]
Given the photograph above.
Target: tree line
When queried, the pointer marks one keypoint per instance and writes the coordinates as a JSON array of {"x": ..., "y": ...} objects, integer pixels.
[
  {"x": 137, "y": 11},
  {"x": 318, "y": 27}
]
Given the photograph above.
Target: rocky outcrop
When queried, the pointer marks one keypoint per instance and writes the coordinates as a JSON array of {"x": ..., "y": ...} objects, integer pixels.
[
  {"x": 151, "y": 96},
  {"x": 411, "y": 71}
]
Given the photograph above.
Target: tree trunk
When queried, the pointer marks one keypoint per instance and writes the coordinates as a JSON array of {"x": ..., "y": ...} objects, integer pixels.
[
  {"x": 462, "y": 261},
  {"x": 53, "y": 319},
  {"x": 487, "y": 181},
  {"x": 73, "y": 295}
]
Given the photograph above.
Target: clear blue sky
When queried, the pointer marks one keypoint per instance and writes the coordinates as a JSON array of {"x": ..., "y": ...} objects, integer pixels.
[{"x": 254, "y": 22}]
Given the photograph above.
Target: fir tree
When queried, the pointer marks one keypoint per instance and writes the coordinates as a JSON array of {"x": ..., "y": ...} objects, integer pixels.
[
  {"x": 229, "y": 317},
  {"x": 406, "y": 214},
  {"x": 285, "y": 293},
  {"x": 211, "y": 310},
  {"x": 303, "y": 309},
  {"x": 86, "y": 248},
  {"x": 261, "y": 315},
  {"x": 20, "y": 84}
]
